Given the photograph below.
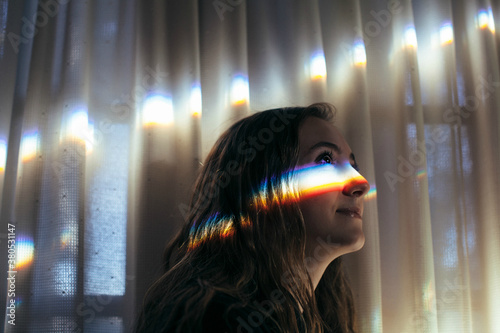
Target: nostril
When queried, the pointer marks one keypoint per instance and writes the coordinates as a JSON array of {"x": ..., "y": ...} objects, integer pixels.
[{"x": 356, "y": 187}]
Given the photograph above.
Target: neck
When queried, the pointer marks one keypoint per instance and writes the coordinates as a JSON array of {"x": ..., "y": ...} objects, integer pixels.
[{"x": 318, "y": 256}]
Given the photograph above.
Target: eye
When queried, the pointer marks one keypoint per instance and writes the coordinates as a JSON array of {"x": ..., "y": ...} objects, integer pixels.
[{"x": 326, "y": 158}]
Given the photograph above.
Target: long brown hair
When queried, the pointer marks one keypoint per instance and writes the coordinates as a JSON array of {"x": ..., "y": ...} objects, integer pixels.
[{"x": 245, "y": 236}]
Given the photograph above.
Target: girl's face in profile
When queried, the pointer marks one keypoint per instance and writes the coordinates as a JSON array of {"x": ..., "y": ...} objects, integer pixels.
[{"x": 332, "y": 206}]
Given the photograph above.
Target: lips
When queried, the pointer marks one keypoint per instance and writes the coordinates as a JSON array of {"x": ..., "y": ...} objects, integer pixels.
[{"x": 353, "y": 212}]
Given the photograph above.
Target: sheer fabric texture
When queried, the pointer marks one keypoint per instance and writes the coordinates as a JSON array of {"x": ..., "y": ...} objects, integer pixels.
[{"x": 109, "y": 107}]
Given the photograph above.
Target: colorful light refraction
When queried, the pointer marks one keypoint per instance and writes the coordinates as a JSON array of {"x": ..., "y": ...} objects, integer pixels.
[
  {"x": 410, "y": 37},
  {"x": 359, "y": 54},
  {"x": 3, "y": 155},
  {"x": 318, "y": 66},
  {"x": 80, "y": 128},
  {"x": 25, "y": 251},
  {"x": 446, "y": 33},
  {"x": 216, "y": 226},
  {"x": 300, "y": 183},
  {"x": 195, "y": 103},
  {"x": 239, "y": 90},
  {"x": 318, "y": 179},
  {"x": 29, "y": 146},
  {"x": 485, "y": 20},
  {"x": 372, "y": 193},
  {"x": 158, "y": 110}
]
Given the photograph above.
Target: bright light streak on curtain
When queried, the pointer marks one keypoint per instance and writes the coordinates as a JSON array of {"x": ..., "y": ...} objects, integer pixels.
[
  {"x": 108, "y": 108},
  {"x": 105, "y": 234}
]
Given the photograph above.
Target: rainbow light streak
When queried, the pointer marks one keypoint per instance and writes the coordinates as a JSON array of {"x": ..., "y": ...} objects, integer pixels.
[
  {"x": 195, "y": 100},
  {"x": 303, "y": 182},
  {"x": 410, "y": 39},
  {"x": 421, "y": 174},
  {"x": 29, "y": 144},
  {"x": 359, "y": 54},
  {"x": 239, "y": 90},
  {"x": 215, "y": 227},
  {"x": 318, "y": 66},
  {"x": 158, "y": 110},
  {"x": 372, "y": 193},
  {"x": 24, "y": 252},
  {"x": 446, "y": 33},
  {"x": 284, "y": 192},
  {"x": 319, "y": 179},
  {"x": 3, "y": 155},
  {"x": 308, "y": 181}
]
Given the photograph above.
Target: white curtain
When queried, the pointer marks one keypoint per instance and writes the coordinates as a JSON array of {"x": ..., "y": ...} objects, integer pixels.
[{"x": 107, "y": 107}]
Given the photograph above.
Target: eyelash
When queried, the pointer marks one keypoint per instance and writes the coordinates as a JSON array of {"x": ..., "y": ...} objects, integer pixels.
[
  {"x": 328, "y": 154},
  {"x": 333, "y": 161}
]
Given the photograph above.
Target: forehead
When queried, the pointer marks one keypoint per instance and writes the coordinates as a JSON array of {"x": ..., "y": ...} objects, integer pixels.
[{"x": 314, "y": 130}]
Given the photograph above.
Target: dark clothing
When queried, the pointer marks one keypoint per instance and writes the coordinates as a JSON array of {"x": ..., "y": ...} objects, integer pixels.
[{"x": 225, "y": 315}]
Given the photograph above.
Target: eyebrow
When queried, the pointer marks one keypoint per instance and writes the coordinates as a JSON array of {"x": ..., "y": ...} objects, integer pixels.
[{"x": 333, "y": 146}]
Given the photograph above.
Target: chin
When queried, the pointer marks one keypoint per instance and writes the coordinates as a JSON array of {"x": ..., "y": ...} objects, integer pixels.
[{"x": 356, "y": 244}]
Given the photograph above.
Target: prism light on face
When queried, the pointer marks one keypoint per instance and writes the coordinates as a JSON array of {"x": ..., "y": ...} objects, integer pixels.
[
  {"x": 309, "y": 180},
  {"x": 318, "y": 179}
]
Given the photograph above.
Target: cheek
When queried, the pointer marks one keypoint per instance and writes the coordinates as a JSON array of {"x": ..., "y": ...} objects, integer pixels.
[{"x": 319, "y": 211}]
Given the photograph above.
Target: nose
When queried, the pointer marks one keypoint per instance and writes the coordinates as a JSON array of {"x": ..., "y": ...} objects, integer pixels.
[{"x": 356, "y": 186}]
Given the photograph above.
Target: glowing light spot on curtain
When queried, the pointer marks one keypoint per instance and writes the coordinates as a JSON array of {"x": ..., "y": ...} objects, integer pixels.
[
  {"x": 318, "y": 66},
  {"x": 491, "y": 21},
  {"x": 106, "y": 218},
  {"x": 24, "y": 251},
  {"x": 482, "y": 19},
  {"x": 239, "y": 90},
  {"x": 410, "y": 37},
  {"x": 450, "y": 255},
  {"x": 429, "y": 295},
  {"x": 158, "y": 110},
  {"x": 485, "y": 20},
  {"x": 65, "y": 278},
  {"x": 29, "y": 146},
  {"x": 69, "y": 238},
  {"x": 3, "y": 155},
  {"x": 359, "y": 54},
  {"x": 376, "y": 318},
  {"x": 421, "y": 174},
  {"x": 446, "y": 34},
  {"x": 195, "y": 100},
  {"x": 81, "y": 129}
]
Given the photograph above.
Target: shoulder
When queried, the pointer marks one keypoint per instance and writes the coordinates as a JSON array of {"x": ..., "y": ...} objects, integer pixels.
[{"x": 226, "y": 314}]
